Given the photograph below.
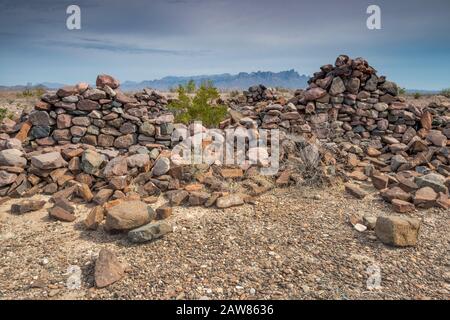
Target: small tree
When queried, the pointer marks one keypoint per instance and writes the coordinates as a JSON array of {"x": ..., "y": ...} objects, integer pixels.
[{"x": 200, "y": 108}]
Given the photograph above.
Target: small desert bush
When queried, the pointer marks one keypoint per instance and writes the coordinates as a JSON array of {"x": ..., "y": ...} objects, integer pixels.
[
  {"x": 3, "y": 113},
  {"x": 199, "y": 108},
  {"x": 234, "y": 93},
  {"x": 29, "y": 93},
  {"x": 417, "y": 95},
  {"x": 401, "y": 91},
  {"x": 446, "y": 92}
]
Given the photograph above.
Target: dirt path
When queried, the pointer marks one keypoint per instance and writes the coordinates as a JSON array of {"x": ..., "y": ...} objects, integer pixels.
[{"x": 293, "y": 244}]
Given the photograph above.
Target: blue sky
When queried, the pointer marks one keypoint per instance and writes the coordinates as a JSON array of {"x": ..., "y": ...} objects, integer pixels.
[{"x": 144, "y": 40}]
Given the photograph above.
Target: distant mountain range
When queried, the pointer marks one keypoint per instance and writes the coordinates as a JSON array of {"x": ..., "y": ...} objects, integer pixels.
[
  {"x": 286, "y": 79},
  {"x": 290, "y": 79}
]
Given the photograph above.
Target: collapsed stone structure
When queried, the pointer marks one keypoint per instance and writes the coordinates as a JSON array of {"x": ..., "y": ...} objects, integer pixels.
[{"x": 102, "y": 146}]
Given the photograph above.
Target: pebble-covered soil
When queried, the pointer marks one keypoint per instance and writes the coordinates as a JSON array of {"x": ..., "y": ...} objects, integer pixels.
[{"x": 293, "y": 243}]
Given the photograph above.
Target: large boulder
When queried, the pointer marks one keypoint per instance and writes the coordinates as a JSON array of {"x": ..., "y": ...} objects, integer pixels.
[{"x": 129, "y": 215}]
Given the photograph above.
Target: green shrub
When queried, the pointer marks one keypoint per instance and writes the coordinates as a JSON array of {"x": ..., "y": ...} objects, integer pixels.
[
  {"x": 3, "y": 113},
  {"x": 190, "y": 86},
  {"x": 401, "y": 91},
  {"x": 417, "y": 95},
  {"x": 446, "y": 92},
  {"x": 200, "y": 108}
]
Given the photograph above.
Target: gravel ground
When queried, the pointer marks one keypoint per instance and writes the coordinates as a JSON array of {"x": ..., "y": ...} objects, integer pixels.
[{"x": 293, "y": 243}]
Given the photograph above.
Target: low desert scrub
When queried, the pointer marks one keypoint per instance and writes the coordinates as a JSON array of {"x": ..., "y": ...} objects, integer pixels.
[
  {"x": 201, "y": 107},
  {"x": 446, "y": 92}
]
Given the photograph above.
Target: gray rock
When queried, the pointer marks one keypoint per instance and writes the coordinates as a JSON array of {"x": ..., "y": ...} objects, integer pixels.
[
  {"x": 7, "y": 178},
  {"x": 337, "y": 86},
  {"x": 39, "y": 118},
  {"x": 229, "y": 201},
  {"x": 138, "y": 160},
  {"x": 40, "y": 132},
  {"x": 52, "y": 160},
  {"x": 397, "y": 161},
  {"x": 91, "y": 161},
  {"x": 12, "y": 157},
  {"x": 148, "y": 129},
  {"x": 432, "y": 180},
  {"x": 161, "y": 166},
  {"x": 150, "y": 232}
]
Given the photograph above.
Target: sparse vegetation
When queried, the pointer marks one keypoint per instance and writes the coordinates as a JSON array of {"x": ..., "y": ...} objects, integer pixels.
[
  {"x": 29, "y": 93},
  {"x": 401, "y": 91},
  {"x": 234, "y": 93},
  {"x": 199, "y": 108},
  {"x": 4, "y": 113},
  {"x": 446, "y": 92},
  {"x": 417, "y": 95}
]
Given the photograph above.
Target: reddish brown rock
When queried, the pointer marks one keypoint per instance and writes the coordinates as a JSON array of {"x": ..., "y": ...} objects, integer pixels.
[
  {"x": 380, "y": 181},
  {"x": 163, "y": 212},
  {"x": 401, "y": 206},
  {"x": 231, "y": 173},
  {"x": 60, "y": 214},
  {"x": 104, "y": 79},
  {"x": 85, "y": 192},
  {"x": 397, "y": 231},
  {"x": 108, "y": 269},
  {"x": 395, "y": 193},
  {"x": 425, "y": 198},
  {"x": 198, "y": 198},
  {"x": 95, "y": 218},
  {"x": 27, "y": 206},
  {"x": 128, "y": 215},
  {"x": 103, "y": 196},
  {"x": 355, "y": 191},
  {"x": 24, "y": 130}
]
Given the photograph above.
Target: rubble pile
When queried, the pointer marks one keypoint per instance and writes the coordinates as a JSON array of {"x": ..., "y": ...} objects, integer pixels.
[
  {"x": 375, "y": 134},
  {"x": 98, "y": 145}
]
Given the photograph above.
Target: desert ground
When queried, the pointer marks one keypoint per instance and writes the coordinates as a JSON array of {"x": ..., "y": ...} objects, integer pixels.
[{"x": 294, "y": 243}]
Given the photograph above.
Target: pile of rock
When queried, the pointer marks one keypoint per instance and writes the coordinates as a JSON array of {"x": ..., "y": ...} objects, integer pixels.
[
  {"x": 372, "y": 130},
  {"x": 101, "y": 116},
  {"x": 98, "y": 145},
  {"x": 259, "y": 93}
]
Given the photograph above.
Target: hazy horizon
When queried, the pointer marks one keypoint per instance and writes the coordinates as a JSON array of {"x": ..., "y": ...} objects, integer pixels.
[{"x": 137, "y": 41}]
